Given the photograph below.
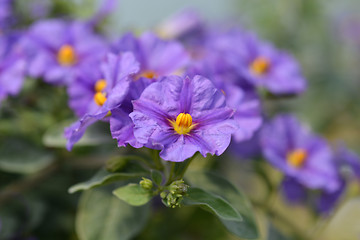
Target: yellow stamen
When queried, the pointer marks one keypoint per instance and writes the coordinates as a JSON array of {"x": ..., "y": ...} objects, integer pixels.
[
  {"x": 100, "y": 98},
  {"x": 183, "y": 124},
  {"x": 100, "y": 85},
  {"x": 66, "y": 55},
  {"x": 148, "y": 74},
  {"x": 296, "y": 158},
  {"x": 260, "y": 66}
]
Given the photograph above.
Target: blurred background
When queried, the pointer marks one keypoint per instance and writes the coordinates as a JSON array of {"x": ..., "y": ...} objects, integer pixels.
[{"x": 324, "y": 35}]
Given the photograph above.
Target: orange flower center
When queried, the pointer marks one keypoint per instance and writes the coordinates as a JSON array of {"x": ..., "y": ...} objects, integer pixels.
[
  {"x": 99, "y": 96},
  {"x": 66, "y": 55},
  {"x": 183, "y": 124},
  {"x": 147, "y": 74},
  {"x": 260, "y": 66},
  {"x": 100, "y": 85},
  {"x": 296, "y": 158}
]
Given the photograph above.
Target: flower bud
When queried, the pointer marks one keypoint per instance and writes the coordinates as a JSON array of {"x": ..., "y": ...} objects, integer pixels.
[{"x": 146, "y": 184}]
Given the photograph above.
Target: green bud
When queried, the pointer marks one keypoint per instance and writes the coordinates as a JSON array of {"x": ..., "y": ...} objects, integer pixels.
[
  {"x": 163, "y": 195},
  {"x": 174, "y": 194},
  {"x": 146, "y": 184},
  {"x": 178, "y": 187}
]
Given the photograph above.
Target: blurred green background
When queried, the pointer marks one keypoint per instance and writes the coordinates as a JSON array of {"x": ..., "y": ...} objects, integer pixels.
[{"x": 315, "y": 31}]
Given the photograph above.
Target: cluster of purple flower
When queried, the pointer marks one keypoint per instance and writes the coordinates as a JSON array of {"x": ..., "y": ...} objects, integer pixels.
[{"x": 182, "y": 89}]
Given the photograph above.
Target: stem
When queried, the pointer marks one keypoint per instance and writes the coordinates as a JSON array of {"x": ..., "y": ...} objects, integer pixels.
[
  {"x": 185, "y": 166},
  {"x": 178, "y": 169},
  {"x": 156, "y": 158},
  {"x": 171, "y": 173}
]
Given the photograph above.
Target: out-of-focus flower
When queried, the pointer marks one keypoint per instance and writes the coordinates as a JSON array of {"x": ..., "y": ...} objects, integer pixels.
[
  {"x": 298, "y": 153},
  {"x": 186, "y": 26},
  {"x": 323, "y": 201},
  {"x": 107, "y": 93},
  {"x": 260, "y": 63},
  {"x": 6, "y": 12},
  {"x": 58, "y": 49},
  {"x": 181, "y": 116},
  {"x": 248, "y": 149},
  {"x": 249, "y": 62},
  {"x": 105, "y": 8},
  {"x": 328, "y": 200},
  {"x": 12, "y": 67},
  {"x": 348, "y": 160},
  {"x": 38, "y": 8},
  {"x": 294, "y": 191},
  {"x": 157, "y": 57}
]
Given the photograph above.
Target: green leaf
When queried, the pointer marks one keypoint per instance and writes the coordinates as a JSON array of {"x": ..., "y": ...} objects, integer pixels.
[
  {"x": 104, "y": 177},
  {"x": 95, "y": 134},
  {"x": 212, "y": 202},
  {"x": 102, "y": 216},
  {"x": 218, "y": 185},
  {"x": 156, "y": 176},
  {"x": 275, "y": 234},
  {"x": 17, "y": 156},
  {"x": 133, "y": 194}
]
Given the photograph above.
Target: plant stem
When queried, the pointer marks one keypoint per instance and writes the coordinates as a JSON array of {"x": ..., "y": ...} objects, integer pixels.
[
  {"x": 156, "y": 158},
  {"x": 178, "y": 169},
  {"x": 171, "y": 173}
]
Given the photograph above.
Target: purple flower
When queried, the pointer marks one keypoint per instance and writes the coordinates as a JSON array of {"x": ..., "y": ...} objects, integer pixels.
[
  {"x": 243, "y": 99},
  {"x": 186, "y": 26},
  {"x": 121, "y": 125},
  {"x": 348, "y": 159},
  {"x": 58, "y": 49},
  {"x": 328, "y": 200},
  {"x": 293, "y": 191},
  {"x": 6, "y": 11},
  {"x": 265, "y": 66},
  {"x": 182, "y": 116},
  {"x": 323, "y": 201},
  {"x": 157, "y": 57},
  {"x": 299, "y": 154},
  {"x": 12, "y": 67},
  {"x": 249, "y": 149},
  {"x": 100, "y": 94},
  {"x": 249, "y": 62}
]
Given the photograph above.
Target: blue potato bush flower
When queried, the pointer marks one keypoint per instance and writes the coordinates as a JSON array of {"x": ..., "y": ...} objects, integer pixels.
[{"x": 183, "y": 92}]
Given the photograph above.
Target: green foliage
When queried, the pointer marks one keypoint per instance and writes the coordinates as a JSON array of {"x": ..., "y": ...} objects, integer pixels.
[
  {"x": 19, "y": 156},
  {"x": 221, "y": 187},
  {"x": 156, "y": 176},
  {"x": 96, "y": 134},
  {"x": 133, "y": 194},
  {"x": 212, "y": 202},
  {"x": 275, "y": 234},
  {"x": 103, "y": 216},
  {"x": 104, "y": 177}
]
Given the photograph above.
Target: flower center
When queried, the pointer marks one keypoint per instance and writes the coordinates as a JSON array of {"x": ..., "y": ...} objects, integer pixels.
[
  {"x": 100, "y": 85},
  {"x": 296, "y": 158},
  {"x": 183, "y": 124},
  {"x": 100, "y": 96},
  {"x": 148, "y": 74},
  {"x": 66, "y": 55},
  {"x": 260, "y": 66}
]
